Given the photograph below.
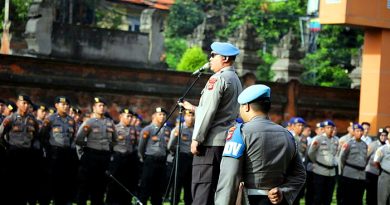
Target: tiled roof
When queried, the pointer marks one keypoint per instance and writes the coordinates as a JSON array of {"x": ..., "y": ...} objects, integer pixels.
[{"x": 158, "y": 4}]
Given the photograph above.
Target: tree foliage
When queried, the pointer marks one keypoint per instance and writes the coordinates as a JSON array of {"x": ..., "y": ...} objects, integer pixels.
[
  {"x": 183, "y": 18},
  {"x": 193, "y": 58},
  {"x": 17, "y": 12},
  {"x": 330, "y": 64},
  {"x": 175, "y": 48}
]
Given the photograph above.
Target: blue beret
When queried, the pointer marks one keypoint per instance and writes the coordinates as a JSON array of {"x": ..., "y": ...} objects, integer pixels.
[
  {"x": 320, "y": 124},
  {"x": 253, "y": 92},
  {"x": 225, "y": 49},
  {"x": 329, "y": 123},
  {"x": 295, "y": 120},
  {"x": 357, "y": 126},
  {"x": 62, "y": 99}
]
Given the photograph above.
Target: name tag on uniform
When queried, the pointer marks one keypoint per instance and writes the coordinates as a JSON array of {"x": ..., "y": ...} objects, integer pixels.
[{"x": 235, "y": 146}]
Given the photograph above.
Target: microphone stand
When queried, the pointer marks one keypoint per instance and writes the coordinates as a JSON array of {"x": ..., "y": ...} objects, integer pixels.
[
  {"x": 123, "y": 186},
  {"x": 179, "y": 134}
]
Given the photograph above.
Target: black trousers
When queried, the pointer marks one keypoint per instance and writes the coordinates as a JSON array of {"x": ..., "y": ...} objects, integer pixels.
[
  {"x": 205, "y": 174},
  {"x": 262, "y": 200},
  {"x": 323, "y": 189},
  {"x": 309, "y": 195},
  {"x": 124, "y": 167},
  {"x": 61, "y": 172},
  {"x": 19, "y": 174},
  {"x": 371, "y": 189},
  {"x": 92, "y": 175},
  {"x": 184, "y": 178},
  {"x": 340, "y": 191},
  {"x": 152, "y": 180},
  {"x": 354, "y": 190}
]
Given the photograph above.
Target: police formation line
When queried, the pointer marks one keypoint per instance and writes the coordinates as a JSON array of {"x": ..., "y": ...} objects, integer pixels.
[
  {"x": 223, "y": 159},
  {"x": 356, "y": 161},
  {"x": 58, "y": 157}
]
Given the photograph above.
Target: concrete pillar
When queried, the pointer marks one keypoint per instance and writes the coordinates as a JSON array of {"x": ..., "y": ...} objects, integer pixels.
[{"x": 374, "y": 92}]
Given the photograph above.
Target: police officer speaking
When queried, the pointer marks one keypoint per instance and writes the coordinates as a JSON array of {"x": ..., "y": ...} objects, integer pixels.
[
  {"x": 215, "y": 114},
  {"x": 261, "y": 154}
]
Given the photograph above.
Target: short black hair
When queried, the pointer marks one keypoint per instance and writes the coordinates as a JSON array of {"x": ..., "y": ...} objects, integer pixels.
[
  {"x": 262, "y": 104},
  {"x": 230, "y": 58},
  {"x": 366, "y": 123}
]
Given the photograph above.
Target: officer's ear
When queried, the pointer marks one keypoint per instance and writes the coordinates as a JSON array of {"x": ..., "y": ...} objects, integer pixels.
[{"x": 247, "y": 107}]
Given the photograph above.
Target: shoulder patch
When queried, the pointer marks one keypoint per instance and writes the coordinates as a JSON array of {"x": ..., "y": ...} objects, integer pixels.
[
  {"x": 235, "y": 146},
  {"x": 210, "y": 84},
  {"x": 6, "y": 122},
  {"x": 230, "y": 133},
  {"x": 345, "y": 146},
  {"x": 315, "y": 143},
  {"x": 145, "y": 134},
  {"x": 86, "y": 128}
]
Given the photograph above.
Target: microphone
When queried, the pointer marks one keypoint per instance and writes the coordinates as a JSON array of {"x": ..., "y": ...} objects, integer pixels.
[{"x": 204, "y": 67}]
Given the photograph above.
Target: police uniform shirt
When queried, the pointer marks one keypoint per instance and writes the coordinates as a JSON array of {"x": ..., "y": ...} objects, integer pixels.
[
  {"x": 97, "y": 133},
  {"x": 19, "y": 131},
  {"x": 124, "y": 141},
  {"x": 372, "y": 147},
  {"x": 264, "y": 156},
  {"x": 382, "y": 155},
  {"x": 185, "y": 142},
  {"x": 353, "y": 157},
  {"x": 153, "y": 144},
  {"x": 217, "y": 110},
  {"x": 322, "y": 152},
  {"x": 60, "y": 131}
]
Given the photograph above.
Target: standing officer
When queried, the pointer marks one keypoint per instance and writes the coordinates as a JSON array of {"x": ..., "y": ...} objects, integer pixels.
[
  {"x": 309, "y": 196},
  {"x": 123, "y": 165},
  {"x": 18, "y": 132},
  {"x": 322, "y": 152},
  {"x": 296, "y": 128},
  {"x": 185, "y": 156},
  {"x": 215, "y": 114},
  {"x": 58, "y": 134},
  {"x": 353, "y": 157},
  {"x": 372, "y": 171},
  {"x": 261, "y": 154},
  {"x": 152, "y": 151},
  {"x": 97, "y": 137},
  {"x": 382, "y": 161}
]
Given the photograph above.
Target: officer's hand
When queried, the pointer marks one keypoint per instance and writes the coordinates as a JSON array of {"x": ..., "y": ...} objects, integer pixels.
[
  {"x": 275, "y": 195},
  {"x": 187, "y": 105},
  {"x": 194, "y": 147}
]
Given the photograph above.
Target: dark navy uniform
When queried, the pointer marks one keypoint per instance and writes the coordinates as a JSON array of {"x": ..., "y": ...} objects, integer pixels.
[
  {"x": 19, "y": 133},
  {"x": 97, "y": 137},
  {"x": 123, "y": 166},
  {"x": 58, "y": 133},
  {"x": 152, "y": 150}
]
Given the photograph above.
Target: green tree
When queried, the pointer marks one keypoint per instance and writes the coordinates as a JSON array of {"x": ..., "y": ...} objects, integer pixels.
[
  {"x": 174, "y": 48},
  {"x": 18, "y": 12},
  {"x": 183, "y": 17},
  {"x": 192, "y": 59},
  {"x": 330, "y": 64}
]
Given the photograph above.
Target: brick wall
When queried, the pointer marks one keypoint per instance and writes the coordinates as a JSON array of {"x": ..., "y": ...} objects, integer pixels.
[{"x": 145, "y": 89}]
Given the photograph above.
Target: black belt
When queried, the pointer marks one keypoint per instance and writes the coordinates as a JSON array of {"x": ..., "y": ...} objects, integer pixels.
[
  {"x": 385, "y": 171},
  {"x": 325, "y": 166},
  {"x": 355, "y": 166}
]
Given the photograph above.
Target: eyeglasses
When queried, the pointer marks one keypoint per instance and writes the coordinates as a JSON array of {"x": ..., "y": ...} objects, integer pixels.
[{"x": 212, "y": 55}]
